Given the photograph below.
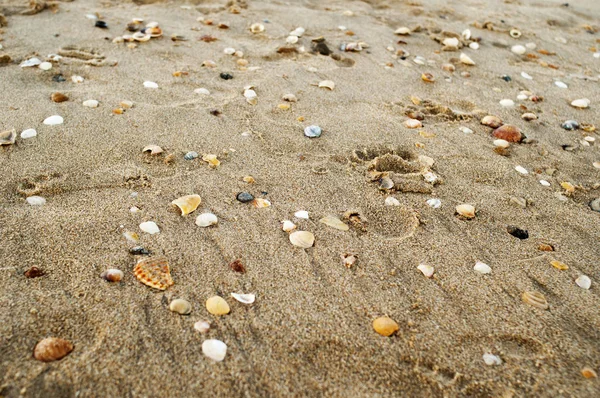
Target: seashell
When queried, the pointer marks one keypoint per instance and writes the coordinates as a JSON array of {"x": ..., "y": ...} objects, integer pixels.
[
  {"x": 284, "y": 107},
  {"x": 180, "y": 306},
  {"x": 466, "y": 34},
  {"x": 348, "y": 260},
  {"x": 427, "y": 77},
  {"x": 249, "y": 179},
  {"x": 482, "y": 268},
  {"x": 290, "y": 98},
  {"x": 8, "y": 137},
  {"x": 291, "y": 39},
  {"x": 302, "y": 239},
  {"x": 206, "y": 220},
  {"x": 214, "y": 349},
  {"x": 583, "y": 281},
  {"x": 257, "y": 28},
  {"x": 595, "y": 204},
  {"x": 427, "y": 270},
  {"x": 149, "y": 84},
  {"x": 501, "y": 143},
  {"x": 448, "y": 67},
  {"x": 217, "y": 305},
  {"x": 149, "y": 227},
  {"x": 29, "y": 133},
  {"x": 260, "y": 203},
  {"x": 596, "y": 165},
  {"x": 386, "y": 183},
  {"x": 153, "y": 149},
  {"x": 190, "y": 155},
  {"x": 77, "y": 79},
  {"x": 52, "y": 349},
  {"x": 521, "y": 169},
  {"x": 59, "y": 97},
  {"x": 529, "y": 116},
  {"x": 466, "y": 211},
  {"x": 435, "y": 203},
  {"x": 545, "y": 247},
  {"x": 404, "y": 31},
  {"x": 187, "y": 204},
  {"x": 465, "y": 59},
  {"x": 237, "y": 266},
  {"x": 545, "y": 183},
  {"x": 334, "y": 222},
  {"x": 202, "y": 326},
  {"x": 589, "y": 373},
  {"x": 581, "y": 103},
  {"x": 450, "y": 42},
  {"x": 515, "y": 33},
  {"x": 154, "y": 32},
  {"x": 535, "y": 299},
  {"x": 518, "y": 49},
  {"x": 474, "y": 45},
  {"x": 509, "y": 133},
  {"x": 212, "y": 160},
  {"x": 413, "y": 123},
  {"x": 112, "y": 275},
  {"x": 560, "y": 84},
  {"x": 154, "y": 272},
  {"x": 244, "y": 298},
  {"x": 53, "y": 120},
  {"x": 312, "y": 131},
  {"x": 118, "y": 111},
  {"x": 288, "y": 226},
  {"x": 301, "y": 214},
  {"x": 36, "y": 201},
  {"x": 141, "y": 37},
  {"x": 558, "y": 265},
  {"x": 385, "y": 326},
  {"x": 297, "y": 32},
  {"x": 202, "y": 91},
  {"x": 244, "y": 197},
  {"x": 131, "y": 236},
  {"x": 91, "y": 103},
  {"x": 491, "y": 121},
  {"x": 250, "y": 94},
  {"x": 30, "y": 62},
  {"x": 491, "y": 359},
  {"x": 567, "y": 186},
  {"x": 391, "y": 201},
  {"x": 507, "y": 103},
  {"x": 327, "y": 84},
  {"x": 526, "y": 75}
]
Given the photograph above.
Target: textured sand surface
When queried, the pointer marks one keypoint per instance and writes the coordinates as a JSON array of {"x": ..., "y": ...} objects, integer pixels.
[{"x": 309, "y": 332}]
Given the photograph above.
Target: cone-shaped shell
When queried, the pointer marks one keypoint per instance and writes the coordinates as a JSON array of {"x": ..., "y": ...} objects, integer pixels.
[
  {"x": 302, "y": 239},
  {"x": 154, "y": 272},
  {"x": 187, "y": 204},
  {"x": 52, "y": 349}
]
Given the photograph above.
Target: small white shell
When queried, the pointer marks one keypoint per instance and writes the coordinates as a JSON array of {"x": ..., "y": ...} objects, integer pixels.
[
  {"x": 526, "y": 75},
  {"x": 413, "y": 123},
  {"x": 427, "y": 270},
  {"x": 560, "y": 84},
  {"x": 36, "y": 200},
  {"x": 327, "y": 84},
  {"x": 30, "y": 62},
  {"x": 250, "y": 94},
  {"x": 112, "y": 275},
  {"x": 501, "y": 143},
  {"x": 466, "y": 34},
  {"x": 482, "y": 268},
  {"x": 291, "y": 39},
  {"x": 244, "y": 298},
  {"x": 466, "y": 211},
  {"x": 297, "y": 32},
  {"x": 53, "y": 120},
  {"x": 450, "y": 42},
  {"x": 521, "y": 169},
  {"x": 465, "y": 59},
  {"x": 180, "y": 306},
  {"x": 149, "y": 84},
  {"x": 288, "y": 226},
  {"x": 202, "y": 326},
  {"x": 545, "y": 183},
  {"x": 77, "y": 79},
  {"x": 91, "y": 103},
  {"x": 583, "y": 281},
  {"x": 391, "y": 201},
  {"x": 402, "y": 31},
  {"x": 435, "y": 203},
  {"x": 581, "y": 103},
  {"x": 491, "y": 359},
  {"x": 29, "y": 133},
  {"x": 214, "y": 349},
  {"x": 507, "y": 102},
  {"x": 206, "y": 220},
  {"x": 518, "y": 49},
  {"x": 229, "y": 50},
  {"x": 45, "y": 66},
  {"x": 202, "y": 90},
  {"x": 301, "y": 214},
  {"x": 303, "y": 239},
  {"x": 153, "y": 149},
  {"x": 257, "y": 28},
  {"x": 474, "y": 45},
  {"x": 149, "y": 227}
]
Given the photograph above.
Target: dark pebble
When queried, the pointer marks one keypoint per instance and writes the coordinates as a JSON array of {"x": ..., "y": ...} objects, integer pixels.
[
  {"x": 59, "y": 78},
  {"x": 570, "y": 125},
  {"x": 139, "y": 250},
  {"x": 237, "y": 266},
  {"x": 517, "y": 232},
  {"x": 101, "y": 25},
  {"x": 190, "y": 155},
  {"x": 226, "y": 76},
  {"x": 322, "y": 49},
  {"x": 244, "y": 197},
  {"x": 34, "y": 272},
  {"x": 506, "y": 78}
]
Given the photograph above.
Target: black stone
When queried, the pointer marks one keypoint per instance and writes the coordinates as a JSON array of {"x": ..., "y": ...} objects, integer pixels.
[
  {"x": 139, "y": 250},
  {"x": 226, "y": 76},
  {"x": 506, "y": 78},
  {"x": 101, "y": 24},
  {"x": 322, "y": 48},
  {"x": 244, "y": 197},
  {"x": 59, "y": 78},
  {"x": 517, "y": 232}
]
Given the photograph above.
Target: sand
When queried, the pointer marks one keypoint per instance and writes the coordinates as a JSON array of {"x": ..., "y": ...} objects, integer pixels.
[{"x": 309, "y": 333}]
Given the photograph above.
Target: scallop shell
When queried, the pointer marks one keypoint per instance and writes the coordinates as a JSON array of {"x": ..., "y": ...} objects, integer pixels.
[
  {"x": 52, "y": 349},
  {"x": 8, "y": 137},
  {"x": 217, "y": 305},
  {"x": 153, "y": 149},
  {"x": 535, "y": 299},
  {"x": 214, "y": 349},
  {"x": 466, "y": 211},
  {"x": 244, "y": 298},
  {"x": 334, "y": 222},
  {"x": 327, "y": 84},
  {"x": 303, "y": 239},
  {"x": 180, "y": 306},
  {"x": 385, "y": 326},
  {"x": 187, "y": 203},
  {"x": 154, "y": 272}
]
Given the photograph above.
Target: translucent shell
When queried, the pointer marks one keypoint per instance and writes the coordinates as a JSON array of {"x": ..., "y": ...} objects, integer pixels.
[
  {"x": 535, "y": 299},
  {"x": 154, "y": 272},
  {"x": 187, "y": 204}
]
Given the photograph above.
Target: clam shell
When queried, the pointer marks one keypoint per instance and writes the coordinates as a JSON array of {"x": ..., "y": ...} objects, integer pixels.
[
  {"x": 385, "y": 326},
  {"x": 327, "y": 84},
  {"x": 303, "y": 239},
  {"x": 244, "y": 298},
  {"x": 91, "y": 103},
  {"x": 139, "y": 36},
  {"x": 217, "y": 305},
  {"x": 154, "y": 272},
  {"x": 29, "y": 133},
  {"x": 8, "y": 137},
  {"x": 466, "y": 211},
  {"x": 482, "y": 268},
  {"x": 112, "y": 275},
  {"x": 187, "y": 203},
  {"x": 153, "y": 149},
  {"x": 214, "y": 349},
  {"x": 535, "y": 299},
  {"x": 583, "y": 281},
  {"x": 334, "y": 222},
  {"x": 52, "y": 349},
  {"x": 509, "y": 133},
  {"x": 427, "y": 270},
  {"x": 581, "y": 103},
  {"x": 180, "y": 306},
  {"x": 206, "y": 220},
  {"x": 150, "y": 227}
]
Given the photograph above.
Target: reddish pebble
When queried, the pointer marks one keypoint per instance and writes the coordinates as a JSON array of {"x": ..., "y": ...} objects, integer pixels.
[{"x": 509, "y": 133}]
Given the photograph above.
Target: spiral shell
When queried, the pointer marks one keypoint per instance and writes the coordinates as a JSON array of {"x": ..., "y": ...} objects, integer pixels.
[{"x": 52, "y": 349}]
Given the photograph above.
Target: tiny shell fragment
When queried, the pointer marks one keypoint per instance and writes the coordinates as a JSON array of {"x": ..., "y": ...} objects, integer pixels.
[
  {"x": 202, "y": 326},
  {"x": 288, "y": 226},
  {"x": 216, "y": 305},
  {"x": 385, "y": 326},
  {"x": 558, "y": 265},
  {"x": 334, "y": 222},
  {"x": 491, "y": 359},
  {"x": 154, "y": 272},
  {"x": 206, "y": 220},
  {"x": 466, "y": 211},
  {"x": 261, "y": 203},
  {"x": 427, "y": 270},
  {"x": 535, "y": 299},
  {"x": 244, "y": 298},
  {"x": 52, "y": 349},
  {"x": 327, "y": 84},
  {"x": 187, "y": 204},
  {"x": 153, "y": 149}
]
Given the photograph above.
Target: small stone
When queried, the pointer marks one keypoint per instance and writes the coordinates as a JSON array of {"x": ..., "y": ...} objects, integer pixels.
[
  {"x": 290, "y": 98},
  {"x": 587, "y": 372},
  {"x": 466, "y": 211},
  {"x": 45, "y": 66},
  {"x": 101, "y": 24},
  {"x": 506, "y": 78},
  {"x": 529, "y": 116},
  {"x": 519, "y": 202},
  {"x": 491, "y": 121},
  {"x": 244, "y": 197},
  {"x": 150, "y": 227},
  {"x": 29, "y": 133},
  {"x": 518, "y": 49},
  {"x": 508, "y": 133},
  {"x": 190, "y": 155},
  {"x": 521, "y": 169},
  {"x": 595, "y": 204},
  {"x": 139, "y": 251},
  {"x": 206, "y": 220},
  {"x": 217, "y": 305},
  {"x": 427, "y": 270},
  {"x": 226, "y": 76},
  {"x": 36, "y": 201},
  {"x": 570, "y": 125},
  {"x": 584, "y": 282},
  {"x": 413, "y": 123},
  {"x": 581, "y": 103},
  {"x": 391, "y": 201},
  {"x": 90, "y": 103},
  {"x": 491, "y": 359},
  {"x": 312, "y": 131},
  {"x": 385, "y": 326},
  {"x": 59, "y": 97},
  {"x": 181, "y": 306},
  {"x": 517, "y": 232},
  {"x": 53, "y": 120},
  {"x": 149, "y": 84},
  {"x": 288, "y": 226},
  {"x": 34, "y": 272},
  {"x": 214, "y": 349},
  {"x": 482, "y": 268}
]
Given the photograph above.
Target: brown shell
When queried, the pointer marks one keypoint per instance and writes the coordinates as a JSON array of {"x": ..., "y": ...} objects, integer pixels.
[
  {"x": 509, "y": 133},
  {"x": 154, "y": 272},
  {"x": 52, "y": 349},
  {"x": 59, "y": 97}
]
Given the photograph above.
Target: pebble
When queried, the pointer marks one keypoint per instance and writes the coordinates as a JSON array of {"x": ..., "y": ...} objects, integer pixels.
[
  {"x": 507, "y": 102},
  {"x": 391, "y": 201},
  {"x": 149, "y": 84},
  {"x": 190, "y": 155},
  {"x": 202, "y": 326},
  {"x": 587, "y": 372},
  {"x": 244, "y": 298},
  {"x": 139, "y": 251},
  {"x": 45, "y": 66},
  {"x": 217, "y": 305},
  {"x": 529, "y": 116},
  {"x": 214, "y": 349},
  {"x": 181, "y": 306},
  {"x": 226, "y": 76},
  {"x": 112, "y": 275},
  {"x": 474, "y": 45},
  {"x": 303, "y": 239},
  {"x": 518, "y": 49},
  {"x": 312, "y": 131},
  {"x": 595, "y": 204},
  {"x": 202, "y": 90},
  {"x": 413, "y": 123},
  {"x": 491, "y": 359},
  {"x": 385, "y": 326},
  {"x": 427, "y": 270},
  {"x": 29, "y": 133},
  {"x": 521, "y": 169},
  {"x": 482, "y": 268},
  {"x": 59, "y": 97},
  {"x": 570, "y": 125},
  {"x": 91, "y": 103},
  {"x": 101, "y": 24},
  {"x": 560, "y": 84},
  {"x": 517, "y": 232},
  {"x": 150, "y": 227},
  {"x": 53, "y": 120},
  {"x": 435, "y": 203},
  {"x": 581, "y": 103},
  {"x": 466, "y": 130},
  {"x": 583, "y": 281},
  {"x": 465, "y": 210},
  {"x": 290, "y": 98},
  {"x": 244, "y": 197},
  {"x": 36, "y": 201},
  {"x": 206, "y": 220}
]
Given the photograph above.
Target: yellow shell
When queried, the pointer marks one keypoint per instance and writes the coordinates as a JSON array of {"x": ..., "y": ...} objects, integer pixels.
[
  {"x": 260, "y": 203},
  {"x": 217, "y": 305},
  {"x": 187, "y": 204},
  {"x": 154, "y": 272},
  {"x": 52, "y": 349},
  {"x": 212, "y": 160},
  {"x": 535, "y": 299},
  {"x": 385, "y": 326},
  {"x": 558, "y": 265},
  {"x": 589, "y": 373},
  {"x": 567, "y": 186}
]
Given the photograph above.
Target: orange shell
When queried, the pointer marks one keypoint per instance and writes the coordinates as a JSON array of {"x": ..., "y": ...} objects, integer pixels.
[
  {"x": 154, "y": 272},
  {"x": 52, "y": 349}
]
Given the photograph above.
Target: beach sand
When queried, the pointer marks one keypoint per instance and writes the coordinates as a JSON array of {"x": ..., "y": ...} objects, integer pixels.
[{"x": 309, "y": 333}]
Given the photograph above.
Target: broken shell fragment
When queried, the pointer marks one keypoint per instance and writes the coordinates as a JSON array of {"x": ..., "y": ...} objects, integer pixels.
[
  {"x": 153, "y": 149},
  {"x": 257, "y": 28},
  {"x": 217, "y": 305},
  {"x": 558, "y": 265},
  {"x": 466, "y": 211},
  {"x": 327, "y": 84},
  {"x": 112, "y": 275},
  {"x": 413, "y": 124},
  {"x": 589, "y": 373},
  {"x": 385, "y": 326},
  {"x": 202, "y": 326},
  {"x": 206, "y": 220},
  {"x": 181, "y": 306},
  {"x": 427, "y": 270},
  {"x": 244, "y": 298},
  {"x": 535, "y": 299},
  {"x": 187, "y": 204},
  {"x": 348, "y": 260},
  {"x": 334, "y": 222},
  {"x": 491, "y": 359},
  {"x": 53, "y": 120},
  {"x": 52, "y": 349},
  {"x": 260, "y": 203},
  {"x": 303, "y": 239},
  {"x": 402, "y": 31},
  {"x": 8, "y": 137},
  {"x": 482, "y": 268},
  {"x": 214, "y": 349},
  {"x": 154, "y": 272}
]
